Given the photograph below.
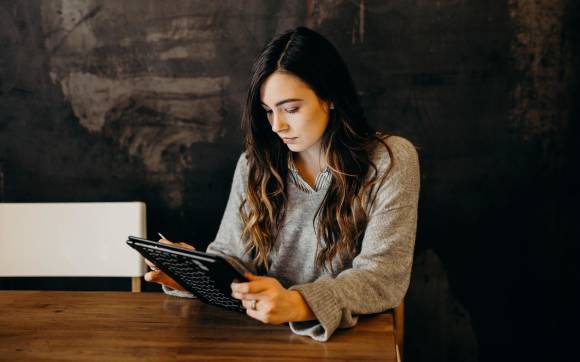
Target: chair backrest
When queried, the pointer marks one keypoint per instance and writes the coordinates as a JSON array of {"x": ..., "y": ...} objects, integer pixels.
[
  {"x": 70, "y": 239},
  {"x": 399, "y": 320}
]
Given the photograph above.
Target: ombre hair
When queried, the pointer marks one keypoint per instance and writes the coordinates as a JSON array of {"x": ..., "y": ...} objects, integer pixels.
[{"x": 348, "y": 143}]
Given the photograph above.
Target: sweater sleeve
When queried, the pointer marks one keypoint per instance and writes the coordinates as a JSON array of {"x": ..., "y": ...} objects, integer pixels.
[
  {"x": 228, "y": 239},
  {"x": 380, "y": 273}
]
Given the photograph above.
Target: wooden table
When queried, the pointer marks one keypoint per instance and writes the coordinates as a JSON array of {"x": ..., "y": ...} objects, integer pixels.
[{"x": 121, "y": 326}]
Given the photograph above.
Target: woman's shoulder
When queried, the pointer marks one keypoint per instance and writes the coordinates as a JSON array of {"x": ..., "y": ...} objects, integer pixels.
[
  {"x": 242, "y": 166},
  {"x": 242, "y": 160},
  {"x": 399, "y": 164},
  {"x": 402, "y": 152},
  {"x": 241, "y": 172}
]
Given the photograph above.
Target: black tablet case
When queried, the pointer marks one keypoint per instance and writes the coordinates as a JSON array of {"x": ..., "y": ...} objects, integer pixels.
[{"x": 206, "y": 276}]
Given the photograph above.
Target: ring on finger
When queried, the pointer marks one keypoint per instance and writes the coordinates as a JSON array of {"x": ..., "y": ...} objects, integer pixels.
[{"x": 253, "y": 304}]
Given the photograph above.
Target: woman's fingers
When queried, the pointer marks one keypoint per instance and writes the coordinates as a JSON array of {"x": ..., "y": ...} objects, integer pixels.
[
  {"x": 157, "y": 276},
  {"x": 151, "y": 265},
  {"x": 151, "y": 276},
  {"x": 181, "y": 245},
  {"x": 247, "y": 296},
  {"x": 248, "y": 303},
  {"x": 186, "y": 246},
  {"x": 255, "y": 286}
]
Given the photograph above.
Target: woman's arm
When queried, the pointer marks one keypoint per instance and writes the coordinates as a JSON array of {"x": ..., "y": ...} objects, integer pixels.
[
  {"x": 380, "y": 274},
  {"x": 228, "y": 239}
]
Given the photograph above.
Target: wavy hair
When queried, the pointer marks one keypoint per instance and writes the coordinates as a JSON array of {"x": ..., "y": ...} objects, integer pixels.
[{"x": 347, "y": 143}]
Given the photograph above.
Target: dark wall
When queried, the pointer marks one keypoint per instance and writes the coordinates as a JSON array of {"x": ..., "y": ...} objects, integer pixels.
[{"x": 141, "y": 100}]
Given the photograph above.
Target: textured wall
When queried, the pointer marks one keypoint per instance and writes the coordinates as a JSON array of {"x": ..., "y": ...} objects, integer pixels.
[{"x": 141, "y": 100}]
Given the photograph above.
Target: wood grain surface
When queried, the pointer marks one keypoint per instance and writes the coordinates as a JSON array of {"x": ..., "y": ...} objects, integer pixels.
[{"x": 113, "y": 326}]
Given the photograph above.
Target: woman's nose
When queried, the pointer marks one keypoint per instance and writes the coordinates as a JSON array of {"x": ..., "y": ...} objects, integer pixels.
[{"x": 278, "y": 124}]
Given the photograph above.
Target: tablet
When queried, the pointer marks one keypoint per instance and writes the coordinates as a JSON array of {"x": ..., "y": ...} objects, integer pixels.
[{"x": 207, "y": 276}]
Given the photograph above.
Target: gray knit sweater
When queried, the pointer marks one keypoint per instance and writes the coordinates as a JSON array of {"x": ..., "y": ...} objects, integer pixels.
[{"x": 374, "y": 281}]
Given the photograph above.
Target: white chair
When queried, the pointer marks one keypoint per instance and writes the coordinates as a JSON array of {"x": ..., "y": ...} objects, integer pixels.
[{"x": 71, "y": 240}]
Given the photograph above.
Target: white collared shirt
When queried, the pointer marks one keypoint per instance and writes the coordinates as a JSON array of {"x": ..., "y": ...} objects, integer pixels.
[{"x": 322, "y": 179}]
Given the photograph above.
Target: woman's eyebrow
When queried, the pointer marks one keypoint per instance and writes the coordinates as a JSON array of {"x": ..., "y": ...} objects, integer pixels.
[{"x": 284, "y": 101}]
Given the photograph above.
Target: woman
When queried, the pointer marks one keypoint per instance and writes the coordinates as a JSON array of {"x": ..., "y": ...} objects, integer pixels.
[{"x": 321, "y": 206}]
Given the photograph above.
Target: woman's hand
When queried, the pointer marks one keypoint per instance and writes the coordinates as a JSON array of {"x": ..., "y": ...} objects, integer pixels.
[
  {"x": 157, "y": 276},
  {"x": 266, "y": 300}
]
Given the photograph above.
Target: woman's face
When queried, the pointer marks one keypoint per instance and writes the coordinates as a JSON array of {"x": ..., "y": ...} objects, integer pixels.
[{"x": 294, "y": 111}]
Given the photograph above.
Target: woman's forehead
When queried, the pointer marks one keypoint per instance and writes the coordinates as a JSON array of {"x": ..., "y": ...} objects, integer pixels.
[{"x": 282, "y": 86}]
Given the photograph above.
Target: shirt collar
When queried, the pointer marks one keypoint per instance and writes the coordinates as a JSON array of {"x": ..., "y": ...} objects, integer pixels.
[
  {"x": 322, "y": 179},
  {"x": 292, "y": 165}
]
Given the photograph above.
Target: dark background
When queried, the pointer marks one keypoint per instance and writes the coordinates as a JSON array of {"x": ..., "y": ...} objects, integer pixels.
[{"x": 141, "y": 100}]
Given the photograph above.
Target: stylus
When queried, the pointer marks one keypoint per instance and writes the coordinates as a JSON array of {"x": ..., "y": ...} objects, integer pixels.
[{"x": 162, "y": 237}]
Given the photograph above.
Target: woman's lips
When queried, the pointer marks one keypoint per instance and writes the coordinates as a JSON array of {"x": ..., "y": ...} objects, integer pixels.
[{"x": 289, "y": 140}]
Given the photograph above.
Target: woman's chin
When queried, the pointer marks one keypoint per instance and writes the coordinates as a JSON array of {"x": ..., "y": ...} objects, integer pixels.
[{"x": 295, "y": 147}]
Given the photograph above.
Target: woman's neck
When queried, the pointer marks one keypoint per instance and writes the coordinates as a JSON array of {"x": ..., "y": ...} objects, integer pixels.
[{"x": 310, "y": 163}]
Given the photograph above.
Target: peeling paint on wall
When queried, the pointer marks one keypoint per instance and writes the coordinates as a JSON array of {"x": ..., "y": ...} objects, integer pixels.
[
  {"x": 537, "y": 51},
  {"x": 319, "y": 11},
  {"x": 92, "y": 96},
  {"x": 112, "y": 68}
]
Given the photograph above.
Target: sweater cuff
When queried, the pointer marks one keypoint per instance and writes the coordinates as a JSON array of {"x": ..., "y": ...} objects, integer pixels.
[
  {"x": 176, "y": 293},
  {"x": 325, "y": 307}
]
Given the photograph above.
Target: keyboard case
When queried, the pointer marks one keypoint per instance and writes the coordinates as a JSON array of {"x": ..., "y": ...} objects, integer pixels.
[{"x": 207, "y": 276}]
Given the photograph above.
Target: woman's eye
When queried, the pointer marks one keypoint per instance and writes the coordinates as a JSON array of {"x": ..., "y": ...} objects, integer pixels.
[{"x": 292, "y": 110}]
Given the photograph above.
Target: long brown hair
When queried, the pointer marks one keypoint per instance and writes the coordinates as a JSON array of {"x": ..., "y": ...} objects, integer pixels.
[{"x": 348, "y": 144}]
